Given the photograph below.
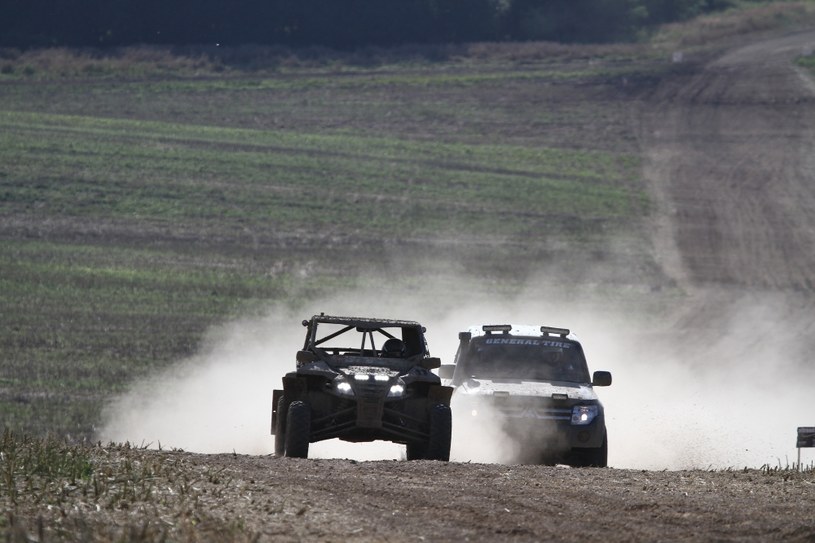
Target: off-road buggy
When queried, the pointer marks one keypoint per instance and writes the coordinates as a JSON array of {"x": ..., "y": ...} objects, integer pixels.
[
  {"x": 532, "y": 383},
  {"x": 360, "y": 379}
]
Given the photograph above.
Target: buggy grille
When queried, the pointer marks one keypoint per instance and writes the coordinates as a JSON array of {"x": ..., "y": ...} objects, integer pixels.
[{"x": 371, "y": 389}]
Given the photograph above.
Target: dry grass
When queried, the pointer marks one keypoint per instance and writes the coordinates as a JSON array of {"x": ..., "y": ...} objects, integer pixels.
[
  {"x": 732, "y": 24},
  {"x": 52, "y": 490},
  {"x": 144, "y": 61},
  {"x": 140, "y": 61},
  {"x": 196, "y": 61}
]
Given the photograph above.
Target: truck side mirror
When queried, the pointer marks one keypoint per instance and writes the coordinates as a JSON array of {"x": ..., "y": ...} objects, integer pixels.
[
  {"x": 446, "y": 371},
  {"x": 601, "y": 379}
]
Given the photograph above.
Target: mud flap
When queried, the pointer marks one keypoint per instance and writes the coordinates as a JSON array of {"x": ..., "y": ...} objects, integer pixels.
[
  {"x": 276, "y": 394},
  {"x": 439, "y": 394}
]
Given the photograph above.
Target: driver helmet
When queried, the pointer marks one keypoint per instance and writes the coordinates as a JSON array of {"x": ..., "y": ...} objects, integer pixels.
[{"x": 393, "y": 348}]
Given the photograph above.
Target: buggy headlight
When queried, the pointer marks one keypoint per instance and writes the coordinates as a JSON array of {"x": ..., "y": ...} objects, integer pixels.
[
  {"x": 584, "y": 414},
  {"x": 396, "y": 391},
  {"x": 343, "y": 387}
]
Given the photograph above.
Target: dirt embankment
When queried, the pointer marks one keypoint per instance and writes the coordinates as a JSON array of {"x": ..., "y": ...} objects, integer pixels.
[{"x": 153, "y": 496}]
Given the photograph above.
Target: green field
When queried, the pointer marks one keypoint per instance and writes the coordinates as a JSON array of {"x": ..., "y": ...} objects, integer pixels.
[
  {"x": 148, "y": 194},
  {"x": 137, "y": 211}
]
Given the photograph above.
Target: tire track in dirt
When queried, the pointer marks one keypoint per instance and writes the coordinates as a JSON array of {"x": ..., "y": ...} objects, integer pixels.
[{"x": 729, "y": 157}]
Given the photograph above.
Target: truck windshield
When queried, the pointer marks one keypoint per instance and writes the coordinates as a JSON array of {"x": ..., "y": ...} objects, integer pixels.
[{"x": 532, "y": 358}]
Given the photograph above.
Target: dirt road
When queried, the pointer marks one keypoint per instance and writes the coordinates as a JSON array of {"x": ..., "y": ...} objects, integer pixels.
[
  {"x": 731, "y": 158},
  {"x": 339, "y": 500}
]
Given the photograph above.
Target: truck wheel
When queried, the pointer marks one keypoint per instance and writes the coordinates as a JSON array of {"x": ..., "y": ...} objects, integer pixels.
[
  {"x": 298, "y": 429},
  {"x": 441, "y": 430},
  {"x": 280, "y": 428},
  {"x": 597, "y": 458}
]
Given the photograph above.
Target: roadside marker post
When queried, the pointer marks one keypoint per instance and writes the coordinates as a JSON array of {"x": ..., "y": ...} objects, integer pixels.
[{"x": 806, "y": 438}]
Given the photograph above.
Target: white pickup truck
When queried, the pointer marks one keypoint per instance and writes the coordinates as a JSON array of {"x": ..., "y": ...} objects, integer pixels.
[{"x": 534, "y": 382}]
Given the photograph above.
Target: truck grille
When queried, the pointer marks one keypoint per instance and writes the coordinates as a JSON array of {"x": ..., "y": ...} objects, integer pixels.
[{"x": 532, "y": 408}]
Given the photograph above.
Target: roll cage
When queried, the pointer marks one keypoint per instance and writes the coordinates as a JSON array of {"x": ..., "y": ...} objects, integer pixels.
[{"x": 330, "y": 336}]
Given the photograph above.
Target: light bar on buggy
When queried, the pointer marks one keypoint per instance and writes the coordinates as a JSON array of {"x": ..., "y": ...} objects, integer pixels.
[
  {"x": 562, "y": 332},
  {"x": 497, "y": 327}
]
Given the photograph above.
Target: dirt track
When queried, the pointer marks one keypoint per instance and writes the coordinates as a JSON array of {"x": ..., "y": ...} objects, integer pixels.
[
  {"x": 731, "y": 157},
  {"x": 432, "y": 501}
]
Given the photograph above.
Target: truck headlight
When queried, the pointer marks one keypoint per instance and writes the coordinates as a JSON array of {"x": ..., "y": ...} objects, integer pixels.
[{"x": 584, "y": 414}]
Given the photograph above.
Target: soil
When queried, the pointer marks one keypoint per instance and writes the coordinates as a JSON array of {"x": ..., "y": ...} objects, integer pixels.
[
  {"x": 730, "y": 157},
  {"x": 231, "y": 497}
]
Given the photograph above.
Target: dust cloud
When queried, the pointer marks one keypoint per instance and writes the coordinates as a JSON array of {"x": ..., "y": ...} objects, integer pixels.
[
  {"x": 216, "y": 401},
  {"x": 710, "y": 380}
]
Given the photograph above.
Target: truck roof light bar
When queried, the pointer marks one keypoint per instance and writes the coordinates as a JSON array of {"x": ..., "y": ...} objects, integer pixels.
[
  {"x": 497, "y": 327},
  {"x": 562, "y": 332}
]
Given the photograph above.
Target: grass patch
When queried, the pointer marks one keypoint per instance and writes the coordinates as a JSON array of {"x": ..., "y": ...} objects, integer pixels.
[
  {"x": 807, "y": 61},
  {"x": 31, "y": 465},
  {"x": 81, "y": 321},
  {"x": 76, "y": 489},
  {"x": 104, "y": 168},
  {"x": 744, "y": 18}
]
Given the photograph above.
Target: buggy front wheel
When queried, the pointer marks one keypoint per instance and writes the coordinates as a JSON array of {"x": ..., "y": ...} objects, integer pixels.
[{"x": 298, "y": 430}]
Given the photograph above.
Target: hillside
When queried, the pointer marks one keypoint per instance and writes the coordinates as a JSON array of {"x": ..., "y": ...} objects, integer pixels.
[
  {"x": 163, "y": 236},
  {"x": 140, "y": 210}
]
